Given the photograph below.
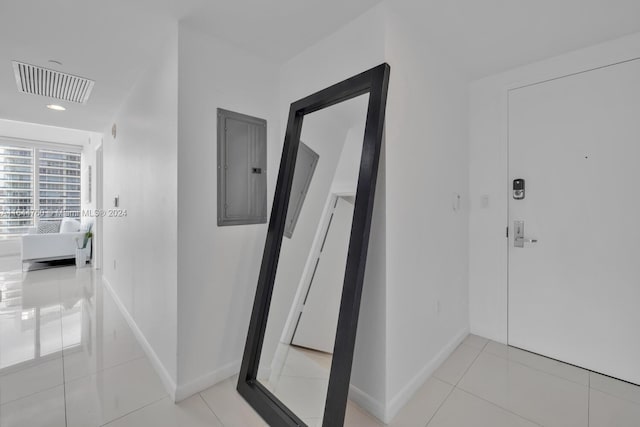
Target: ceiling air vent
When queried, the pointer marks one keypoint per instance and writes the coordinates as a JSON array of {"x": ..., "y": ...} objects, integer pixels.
[{"x": 54, "y": 84}]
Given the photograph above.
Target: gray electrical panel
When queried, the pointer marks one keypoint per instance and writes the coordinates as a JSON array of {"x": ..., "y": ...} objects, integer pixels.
[
  {"x": 306, "y": 162},
  {"x": 242, "y": 169}
]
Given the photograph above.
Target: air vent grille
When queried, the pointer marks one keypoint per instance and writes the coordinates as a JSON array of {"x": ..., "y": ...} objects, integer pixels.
[{"x": 51, "y": 83}]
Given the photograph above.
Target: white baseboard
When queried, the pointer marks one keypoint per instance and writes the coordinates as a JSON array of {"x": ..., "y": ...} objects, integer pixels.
[
  {"x": 208, "y": 380},
  {"x": 165, "y": 377},
  {"x": 367, "y": 402},
  {"x": 373, "y": 406},
  {"x": 407, "y": 392}
]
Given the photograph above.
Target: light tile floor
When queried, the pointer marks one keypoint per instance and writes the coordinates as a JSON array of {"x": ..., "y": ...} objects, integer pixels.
[
  {"x": 299, "y": 378},
  {"x": 68, "y": 358}
]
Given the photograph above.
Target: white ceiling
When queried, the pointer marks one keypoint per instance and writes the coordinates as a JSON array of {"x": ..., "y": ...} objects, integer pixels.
[
  {"x": 276, "y": 29},
  {"x": 488, "y": 36},
  {"x": 113, "y": 41},
  {"x": 110, "y": 42}
]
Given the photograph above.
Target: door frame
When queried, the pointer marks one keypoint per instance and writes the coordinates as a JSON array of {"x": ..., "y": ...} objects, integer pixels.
[
  {"x": 591, "y": 64},
  {"x": 307, "y": 273}
]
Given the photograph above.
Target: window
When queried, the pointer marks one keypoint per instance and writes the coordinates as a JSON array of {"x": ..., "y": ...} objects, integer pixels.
[
  {"x": 58, "y": 185},
  {"x": 16, "y": 189},
  {"x": 37, "y": 184}
]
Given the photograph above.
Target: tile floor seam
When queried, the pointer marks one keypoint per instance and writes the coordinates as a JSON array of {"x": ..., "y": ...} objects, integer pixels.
[
  {"x": 468, "y": 367},
  {"x": 40, "y": 362},
  {"x": 501, "y": 407},
  {"x": 209, "y": 408},
  {"x": 634, "y": 402},
  {"x": 609, "y": 377},
  {"x": 589, "y": 401},
  {"x": 537, "y": 369},
  {"x": 440, "y": 406},
  {"x": 64, "y": 386},
  {"x": 468, "y": 392},
  {"x": 480, "y": 347},
  {"x": 435, "y": 375},
  {"x": 588, "y": 371},
  {"x": 64, "y": 399},
  {"x": 105, "y": 369},
  {"x": 135, "y": 410},
  {"x": 589, "y": 387},
  {"x": 444, "y": 381},
  {"x": 31, "y": 394},
  {"x": 455, "y": 386}
]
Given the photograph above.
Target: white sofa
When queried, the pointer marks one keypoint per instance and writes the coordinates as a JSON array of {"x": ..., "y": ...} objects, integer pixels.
[{"x": 52, "y": 246}]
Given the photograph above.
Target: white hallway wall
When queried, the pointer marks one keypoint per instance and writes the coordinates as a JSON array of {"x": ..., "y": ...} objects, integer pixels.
[
  {"x": 140, "y": 249},
  {"x": 217, "y": 266},
  {"x": 488, "y": 174},
  {"x": 176, "y": 273},
  {"x": 426, "y": 169},
  {"x": 418, "y": 247}
]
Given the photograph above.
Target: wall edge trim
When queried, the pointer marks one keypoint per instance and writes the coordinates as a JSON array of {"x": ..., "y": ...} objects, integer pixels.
[
  {"x": 406, "y": 393},
  {"x": 167, "y": 381}
]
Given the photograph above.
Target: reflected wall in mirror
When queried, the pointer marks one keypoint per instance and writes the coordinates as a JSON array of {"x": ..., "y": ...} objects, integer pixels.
[{"x": 299, "y": 351}]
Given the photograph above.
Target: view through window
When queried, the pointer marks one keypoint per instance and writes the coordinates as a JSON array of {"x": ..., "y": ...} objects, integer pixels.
[{"x": 37, "y": 184}]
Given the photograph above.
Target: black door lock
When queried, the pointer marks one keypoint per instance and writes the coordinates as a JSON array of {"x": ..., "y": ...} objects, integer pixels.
[{"x": 518, "y": 189}]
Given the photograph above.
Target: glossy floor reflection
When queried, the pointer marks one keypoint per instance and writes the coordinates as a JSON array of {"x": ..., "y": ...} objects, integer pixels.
[
  {"x": 300, "y": 378},
  {"x": 68, "y": 358}
]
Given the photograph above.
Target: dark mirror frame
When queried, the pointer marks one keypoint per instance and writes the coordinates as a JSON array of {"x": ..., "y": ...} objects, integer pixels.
[{"x": 375, "y": 82}]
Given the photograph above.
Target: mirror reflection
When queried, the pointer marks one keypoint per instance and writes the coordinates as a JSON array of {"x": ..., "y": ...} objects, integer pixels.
[{"x": 297, "y": 351}]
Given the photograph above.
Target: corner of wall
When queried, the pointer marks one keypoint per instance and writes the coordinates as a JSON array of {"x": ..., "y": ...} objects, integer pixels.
[
  {"x": 139, "y": 245},
  {"x": 427, "y": 246},
  {"x": 217, "y": 266},
  {"x": 158, "y": 365},
  {"x": 401, "y": 398}
]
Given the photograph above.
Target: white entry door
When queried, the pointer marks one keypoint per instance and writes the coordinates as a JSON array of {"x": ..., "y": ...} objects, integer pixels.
[
  {"x": 574, "y": 295},
  {"x": 319, "y": 319}
]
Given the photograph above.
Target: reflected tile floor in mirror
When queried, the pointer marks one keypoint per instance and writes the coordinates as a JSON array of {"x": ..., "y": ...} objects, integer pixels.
[
  {"x": 302, "y": 381},
  {"x": 68, "y": 358}
]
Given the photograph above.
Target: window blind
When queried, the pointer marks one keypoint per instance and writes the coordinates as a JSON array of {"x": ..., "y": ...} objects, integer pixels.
[
  {"x": 16, "y": 189},
  {"x": 59, "y": 184},
  {"x": 37, "y": 184}
]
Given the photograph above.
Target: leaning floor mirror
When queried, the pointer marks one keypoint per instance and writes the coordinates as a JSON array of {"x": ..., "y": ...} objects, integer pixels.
[{"x": 299, "y": 351}]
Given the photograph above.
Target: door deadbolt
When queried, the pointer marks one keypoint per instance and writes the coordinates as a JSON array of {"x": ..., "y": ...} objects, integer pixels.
[{"x": 518, "y": 189}]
